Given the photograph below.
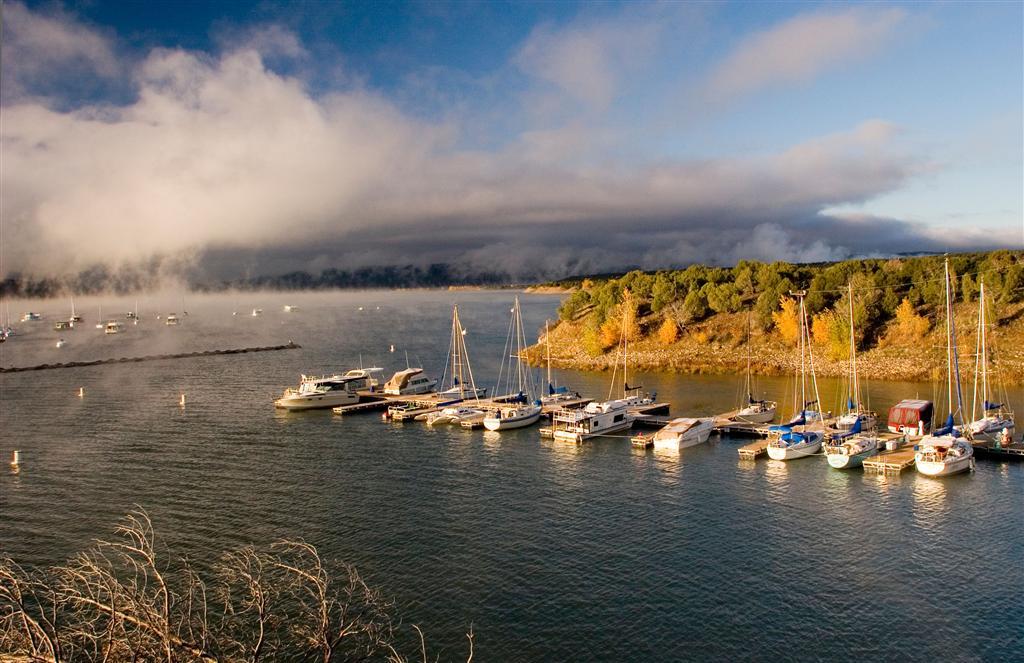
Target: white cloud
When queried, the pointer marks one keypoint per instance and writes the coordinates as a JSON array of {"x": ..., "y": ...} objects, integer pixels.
[
  {"x": 37, "y": 48},
  {"x": 802, "y": 47}
]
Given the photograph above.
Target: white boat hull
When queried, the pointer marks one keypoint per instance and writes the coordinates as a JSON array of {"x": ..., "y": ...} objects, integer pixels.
[
  {"x": 508, "y": 423},
  {"x": 749, "y": 415},
  {"x": 943, "y": 468},
  {"x": 697, "y": 433},
  {"x": 847, "y": 461},
  {"x": 794, "y": 451},
  {"x": 316, "y": 401},
  {"x": 957, "y": 456}
]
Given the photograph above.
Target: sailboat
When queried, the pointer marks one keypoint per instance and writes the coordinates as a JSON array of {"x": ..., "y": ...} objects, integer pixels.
[
  {"x": 607, "y": 417},
  {"x": 460, "y": 389},
  {"x": 99, "y": 321},
  {"x": 555, "y": 394},
  {"x": 754, "y": 410},
  {"x": 994, "y": 417},
  {"x": 946, "y": 451},
  {"x": 849, "y": 448},
  {"x": 787, "y": 442},
  {"x": 526, "y": 411},
  {"x": 855, "y": 410},
  {"x": 75, "y": 318}
]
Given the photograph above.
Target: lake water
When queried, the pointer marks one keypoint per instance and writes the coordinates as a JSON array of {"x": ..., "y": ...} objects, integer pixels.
[{"x": 550, "y": 551}]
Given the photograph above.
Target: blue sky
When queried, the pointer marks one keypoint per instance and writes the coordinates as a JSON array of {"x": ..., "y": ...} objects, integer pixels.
[{"x": 542, "y": 137}]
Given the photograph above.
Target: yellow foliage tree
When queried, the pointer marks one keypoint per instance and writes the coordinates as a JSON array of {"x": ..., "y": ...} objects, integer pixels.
[
  {"x": 821, "y": 328},
  {"x": 787, "y": 321},
  {"x": 610, "y": 333},
  {"x": 909, "y": 325},
  {"x": 668, "y": 332}
]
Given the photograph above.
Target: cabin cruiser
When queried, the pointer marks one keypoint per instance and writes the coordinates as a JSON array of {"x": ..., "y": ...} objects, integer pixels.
[
  {"x": 61, "y": 325},
  {"x": 113, "y": 327},
  {"x": 171, "y": 320},
  {"x": 365, "y": 379},
  {"x": 31, "y": 317},
  {"x": 684, "y": 432},
  {"x": 323, "y": 392},
  {"x": 408, "y": 382},
  {"x": 912, "y": 417},
  {"x": 288, "y": 308},
  {"x": 462, "y": 392}
]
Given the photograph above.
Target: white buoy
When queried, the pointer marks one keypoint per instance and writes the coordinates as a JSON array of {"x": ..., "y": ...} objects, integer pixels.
[
  {"x": 392, "y": 348},
  {"x": 182, "y": 401},
  {"x": 16, "y": 460},
  {"x": 81, "y": 392}
]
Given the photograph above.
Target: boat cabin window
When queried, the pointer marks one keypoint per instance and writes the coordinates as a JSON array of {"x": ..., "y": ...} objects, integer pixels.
[{"x": 618, "y": 418}]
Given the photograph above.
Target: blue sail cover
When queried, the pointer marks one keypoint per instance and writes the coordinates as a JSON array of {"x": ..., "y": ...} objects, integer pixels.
[
  {"x": 947, "y": 428},
  {"x": 798, "y": 420},
  {"x": 849, "y": 404},
  {"x": 992, "y": 406}
]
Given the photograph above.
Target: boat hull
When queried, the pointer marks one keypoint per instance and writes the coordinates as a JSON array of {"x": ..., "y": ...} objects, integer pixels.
[
  {"x": 943, "y": 468},
  {"x": 508, "y": 423},
  {"x": 763, "y": 417},
  {"x": 847, "y": 462},
  {"x": 698, "y": 434},
  {"x": 794, "y": 451},
  {"x": 316, "y": 401}
]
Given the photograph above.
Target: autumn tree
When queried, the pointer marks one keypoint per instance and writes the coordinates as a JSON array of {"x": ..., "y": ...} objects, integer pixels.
[
  {"x": 787, "y": 321},
  {"x": 668, "y": 333},
  {"x": 908, "y": 326}
]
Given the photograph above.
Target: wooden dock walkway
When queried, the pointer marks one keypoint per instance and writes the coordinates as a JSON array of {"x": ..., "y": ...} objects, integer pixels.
[
  {"x": 891, "y": 461},
  {"x": 988, "y": 449},
  {"x": 753, "y": 450},
  {"x": 365, "y": 404}
]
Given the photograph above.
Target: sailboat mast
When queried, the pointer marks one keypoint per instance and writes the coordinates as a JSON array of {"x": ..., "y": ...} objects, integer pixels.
[
  {"x": 855, "y": 396},
  {"x": 803, "y": 368},
  {"x": 949, "y": 340},
  {"x": 750, "y": 395},
  {"x": 547, "y": 347},
  {"x": 984, "y": 351}
]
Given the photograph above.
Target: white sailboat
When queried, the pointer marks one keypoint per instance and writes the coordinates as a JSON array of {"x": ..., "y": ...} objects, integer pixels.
[
  {"x": 752, "y": 410},
  {"x": 602, "y": 418},
  {"x": 858, "y": 440},
  {"x": 526, "y": 411},
  {"x": 946, "y": 451},
  {"x": 555, "y": 394},
  {"x": 991, "y": 419},
  {"x": 462, "y": 386},
  {"x": 803, "y": 436}
]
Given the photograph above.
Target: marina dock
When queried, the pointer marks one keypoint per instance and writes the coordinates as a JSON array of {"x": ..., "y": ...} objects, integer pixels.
[
  {"x": 989, "y": 449},
  {"x": 755, "y": 449}
]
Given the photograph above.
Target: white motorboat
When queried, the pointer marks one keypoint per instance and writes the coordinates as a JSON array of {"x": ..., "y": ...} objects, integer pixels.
[
  {"x": 991, "y": 419},
  {"x": 113, "y": 327},
  {"x": 409, "y": 382},
  {"x": 454, "y": 415},
  {"x": 61, "y": 325},
  {"x": 288, "y": 308},
  {"x": 526, "y": 410},
  {"x": 171, "y": 320},
  {"x": 803, "y": 436},
  {"x": 754, "y": 410},
  {"x": 684, "y": 432},
  {"x": 61, "y": 343},
  {"x": 257, "y": 312},
  {"x": 365, "y": 379},
  {"x": 946, "y": 451},
  {"x": 322, "y": 392},
  {"x": 31, "y": 317}
]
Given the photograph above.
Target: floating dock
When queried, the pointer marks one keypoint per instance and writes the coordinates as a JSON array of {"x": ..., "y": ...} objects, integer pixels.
[
  {"x": 365, "y": 404},
  {"x": 755, "y": 449},
  {"x": 989, "y": 449}
]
